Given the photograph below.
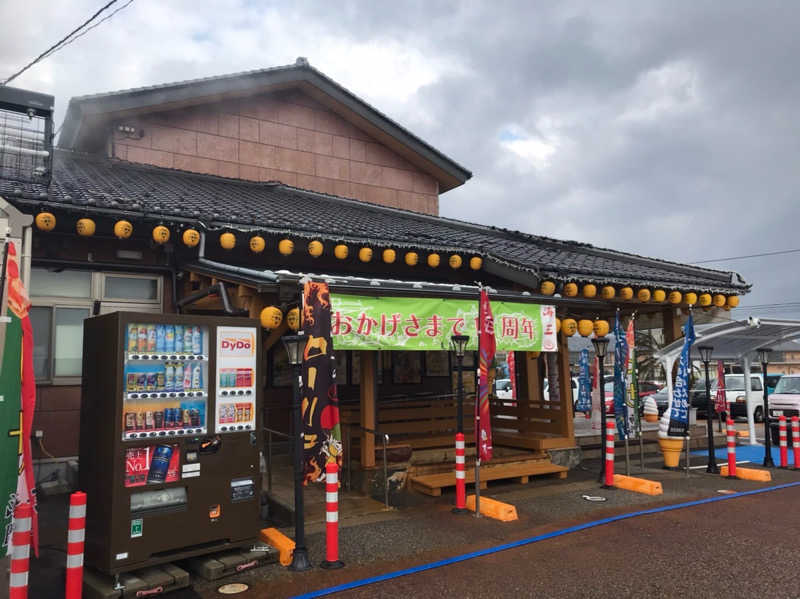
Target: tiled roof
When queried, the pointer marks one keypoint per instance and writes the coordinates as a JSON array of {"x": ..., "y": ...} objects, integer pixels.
[{"x": 100, "y": 184}]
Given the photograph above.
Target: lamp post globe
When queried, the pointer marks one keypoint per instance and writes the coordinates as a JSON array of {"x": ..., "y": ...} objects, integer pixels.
[
  {"x": 705, "y": 356},
  {"x": 295, "y": 344},
  {"x": 763, "y": 357}
]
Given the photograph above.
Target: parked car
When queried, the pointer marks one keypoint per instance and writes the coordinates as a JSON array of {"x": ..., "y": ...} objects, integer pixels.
[
  {"x": 772, "y": 381},
  {"x": 734, "y": 385},
  {"x": 785, "y": 401},
  {"x": 503, "y": 389},
  {"x": 574, "y": 390}
]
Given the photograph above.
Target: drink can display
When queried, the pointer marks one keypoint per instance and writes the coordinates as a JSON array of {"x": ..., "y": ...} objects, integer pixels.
[
  {"x": 151, "y": 338},
  {"x": 141, "y": 381},
  {"x": 150, "y": 386},
  {"x": 187, "y": 377},
  {"x": 131, "y": 382},
  {"x": 178, "y": 341},
  {"x": 186, "y": 418},
  {"x": 239, "y": 412},
  {"x": 248, "y": 377},
  {"x": 141, "y": 339},
  {"x": 149, "y": 420},
  {"x": 197, "y": 377},
  {"x": 130, "y": 421},
  {"x": 158, "y": 419},
  {"x": 187, "y": 339},
  {"x": 169, "y": 417},
  {"x": 162, "y": 455},
  {"x": 140, "y": 421},
  {"x": 239, "y": 377},
  {"x": 178, "y": 376},
  {"x": 169, "y": 339},
  {"x": 169, "y": 377},
  {"x": 248, "y": 412},
  {"x": 161, "y": 338},
  {"x": 161, "y": 383},
  {"x": 133, "y": 337},
  {"x": 197, "y": 341},
  {"x": 194, "y": 414}
]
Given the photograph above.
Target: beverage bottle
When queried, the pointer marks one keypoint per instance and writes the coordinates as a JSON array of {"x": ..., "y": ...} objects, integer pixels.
[
  {"x": 187, "y": 377},
  {"x": 133, "y": 337},
  {"x": 169, "y": 339},
  {"x": 178, "y": 339},
  {"x": 141, "y": 341},
  {"x": 178, "y": 376},
  {"x": 197, "y": 377},
  {"x": 151, "y": 338},
  {"x": 161, "y": 338},
  {"x": 187, "y": 339},
  {"x": 197, "y": 341},
  {"x": 161, "y": 383},
  {"x": 169, "y": 377}
]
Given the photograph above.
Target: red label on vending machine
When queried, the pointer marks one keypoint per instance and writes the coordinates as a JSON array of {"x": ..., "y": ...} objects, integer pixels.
[{"x": 137, "y": 465}]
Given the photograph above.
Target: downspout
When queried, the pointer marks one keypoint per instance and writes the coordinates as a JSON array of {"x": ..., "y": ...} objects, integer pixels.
[{"x": 264, "y": 274}]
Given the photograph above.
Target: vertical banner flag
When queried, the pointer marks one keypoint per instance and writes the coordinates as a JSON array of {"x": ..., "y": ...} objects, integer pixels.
[
  {"x": 620, "y": 357},
  {"x": 17, "y": 402},
  {"x": 320, "y": 408},
  {"x": 679, "y": 413},
  {"x": 483, "y": 428},
  {"x": 584, "y": 403},
  {"x": 720, "y": 403},
  {"x": 634, "y": 417},
  {"x": 512, "y": 373}
]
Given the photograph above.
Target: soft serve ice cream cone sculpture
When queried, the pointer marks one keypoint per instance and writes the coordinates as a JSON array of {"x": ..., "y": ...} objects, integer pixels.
[{"x": 650, "y": 410}]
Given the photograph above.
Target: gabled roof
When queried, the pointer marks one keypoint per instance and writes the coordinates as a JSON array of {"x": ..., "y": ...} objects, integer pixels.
[
  {"x": 88, "y": 115},
  {"x": 94, "y": 184}
]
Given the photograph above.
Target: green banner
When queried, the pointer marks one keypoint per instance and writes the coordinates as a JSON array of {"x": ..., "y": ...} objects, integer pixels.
[
  {"x": 10, "y": 423},
  {"x": 405, "y": 323}
]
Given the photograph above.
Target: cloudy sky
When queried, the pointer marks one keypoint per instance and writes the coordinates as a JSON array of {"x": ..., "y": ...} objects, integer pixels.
[{"x": 669, "y": 129}]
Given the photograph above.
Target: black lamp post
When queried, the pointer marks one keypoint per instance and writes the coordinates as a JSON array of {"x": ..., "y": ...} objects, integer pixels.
[
  {"x": 458, "y": 343},
  {"x": 705, "y": 355},
  {"x": 600, "y": 347},
  {"x": 763, "y": 357},
  {"x": 294, "y": 345}
]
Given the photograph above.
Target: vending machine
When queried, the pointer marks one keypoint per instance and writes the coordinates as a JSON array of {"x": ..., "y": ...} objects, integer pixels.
[{"x": 170, "y": 437}]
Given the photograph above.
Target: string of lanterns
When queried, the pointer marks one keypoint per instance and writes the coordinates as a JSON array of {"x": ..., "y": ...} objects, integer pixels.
[
  {"x": 643, "y": 295},
  {"x": 272, "y": 317}
]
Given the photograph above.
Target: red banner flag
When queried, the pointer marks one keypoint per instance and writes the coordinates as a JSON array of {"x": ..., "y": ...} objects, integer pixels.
[
  {"x": 512, "y": 373},
  {"x": 720, "y": 403},
  {"x": 486, "y": 342}
]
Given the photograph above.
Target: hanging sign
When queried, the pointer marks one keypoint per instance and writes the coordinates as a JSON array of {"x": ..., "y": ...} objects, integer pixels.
[{"x": 405, "y": 323}]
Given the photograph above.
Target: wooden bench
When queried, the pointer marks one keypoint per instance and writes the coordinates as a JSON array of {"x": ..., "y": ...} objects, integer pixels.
[{"x": 432, "y": 484}]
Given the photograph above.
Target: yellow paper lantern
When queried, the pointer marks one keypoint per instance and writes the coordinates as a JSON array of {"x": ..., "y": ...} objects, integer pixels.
[
  {"x": 476, "y": 262},
  {"x": 227, "y": 240},
  {"x": 733, "y": 301},
  {"x": 123, "y": 229},
  {"x": 190, "y": 238},
  {"x": 569, "y": 326},
  {"x": 85, "y": 227},
  {"x": 271, "y": 317},
  {"x": 558, "y": 325},
  {"x": 341, "y": 251},
  {"x": 293, "y": 319},
  {"x": 608, "y": 292},
  {"x": 704, "y": 299},
  {"x": 643, "y": 295},
  {"x": 626, "y": 293},
  {"x": 412, "y": 258},
  {"x": 257, "y": 244},
  {"x": 434, "y": 260},
  {"x": 365, "y": 254},
  {"x": 548, "y": 288},
  {"x": 601, "y": 328},
  {"x": 585, "y": 327},
  {"x": 719, "y": 300},
  {"x": 659, "y": 295},
  {"x": 589, "y": 290},
  {"x": 675, "y": 297},
  {"x": 161, "y": 234},
  {"x": 286, "y": 247},
  {"x": 691, "y": 298},
  {"x": 389, "y": 256},
  {"x": 45, "y": 221},
  {"x": 315, "y": 248},
  {"x": 455, "y": 261},
  {"x": 570, "y": 290}
]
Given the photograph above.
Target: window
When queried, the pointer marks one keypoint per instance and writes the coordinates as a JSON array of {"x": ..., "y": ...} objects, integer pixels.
[
  {"x": 62, "y": 300},
  {"x": 755, "y": 384}
]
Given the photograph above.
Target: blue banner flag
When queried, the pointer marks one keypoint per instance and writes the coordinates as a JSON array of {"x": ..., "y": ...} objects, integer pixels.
[
  {"x": 585, "y": 384},
  {"x": 620, "y": 384},
  {"x": 679, "y": 413}
]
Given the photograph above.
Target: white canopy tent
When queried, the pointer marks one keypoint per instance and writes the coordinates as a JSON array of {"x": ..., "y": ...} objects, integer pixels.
[{"x": 735, "y": 340}]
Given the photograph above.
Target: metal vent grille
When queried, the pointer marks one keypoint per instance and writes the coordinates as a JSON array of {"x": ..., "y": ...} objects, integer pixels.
[{"x": 26, "y": 153}]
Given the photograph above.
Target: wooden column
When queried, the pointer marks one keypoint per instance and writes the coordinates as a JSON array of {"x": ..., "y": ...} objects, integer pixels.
[
  {"x": 672, "y": 325},
  {"x": 368, "y": 380},
  {"x": 566, "y": 422},
  {"x": 530, "y": 391}
]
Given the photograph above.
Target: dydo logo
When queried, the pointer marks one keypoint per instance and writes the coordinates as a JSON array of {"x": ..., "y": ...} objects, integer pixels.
[{"x": 237, "y": 344}]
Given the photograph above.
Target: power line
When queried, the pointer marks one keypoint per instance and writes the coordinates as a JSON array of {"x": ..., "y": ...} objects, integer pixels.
[
  {"x": 748, "y": 256},
  {"x": 88, "y": 29},
  {"x": 57, "y": 45}
]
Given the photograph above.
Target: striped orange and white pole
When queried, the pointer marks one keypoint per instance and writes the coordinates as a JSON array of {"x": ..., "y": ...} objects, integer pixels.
[
  {"x": 731, "y": 433},
  {"x": 461, "y": 477},
  {"x": 76, "y": 532},
  {"x": 796, "y": 441},
  {"x": 331, "y": 561},
  {"x": 782, "y": 441},
  {"x": 21, "y": 551},
  {"x": 610, "y": 431}
]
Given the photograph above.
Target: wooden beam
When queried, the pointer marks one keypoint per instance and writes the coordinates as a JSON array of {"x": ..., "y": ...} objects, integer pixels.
[
  {"x": 672, "y": 325},
  {"x": 565, "y": 413},
  {"x": 275, "y": 336},
  {"x": 368, "y": 372}
]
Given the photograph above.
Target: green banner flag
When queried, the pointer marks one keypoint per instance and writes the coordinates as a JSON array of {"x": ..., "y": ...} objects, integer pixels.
[
  {"x": 10, "y": 423},
  {"x": 411, "y": 323}
]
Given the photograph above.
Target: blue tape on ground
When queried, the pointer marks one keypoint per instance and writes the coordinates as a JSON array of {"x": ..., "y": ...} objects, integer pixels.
[{"x": 549, "y": 535}]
